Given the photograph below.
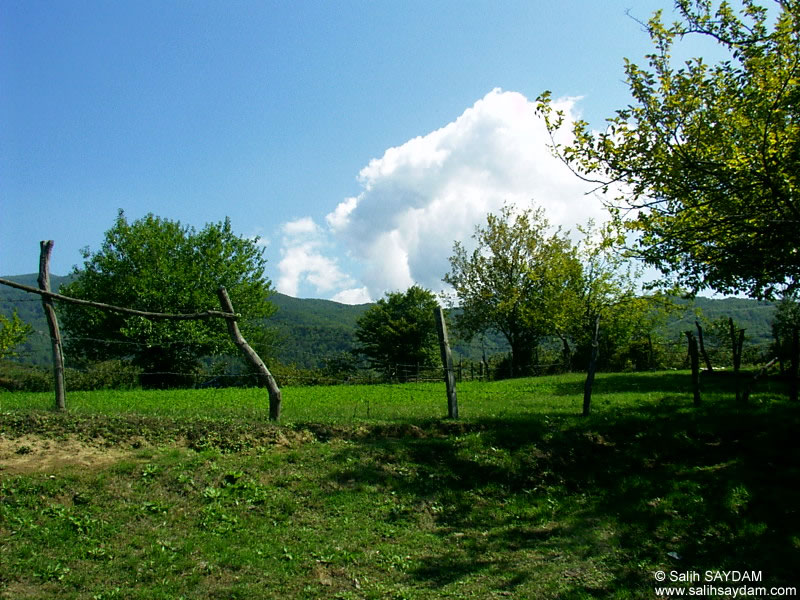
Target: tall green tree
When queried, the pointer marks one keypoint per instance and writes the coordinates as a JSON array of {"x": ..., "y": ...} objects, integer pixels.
[
  {"x": 515, "y": 281},
  {"x": 158, "y": 265},
  {"x": 398, "y": 333},
  {"x": 707, "y": 156}
]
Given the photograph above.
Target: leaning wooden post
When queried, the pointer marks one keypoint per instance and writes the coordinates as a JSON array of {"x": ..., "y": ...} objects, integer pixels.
[
  {"x": 263, "y": 372},
  {"x": 793, "y": 371},
  {"x": 756, "y": 377},
  {"x": 700, "y": 339},
  {"x": 46, "y": 247},
  {"x": 737, "y": 342},
  {"x": 447, "y": 364},
  {"x": 587, "y": 385},
  {"x": 694, "y": 357}
]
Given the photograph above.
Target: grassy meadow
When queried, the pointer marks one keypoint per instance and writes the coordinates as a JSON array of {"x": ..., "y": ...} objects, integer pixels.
[{"x": 366, "y": 492}]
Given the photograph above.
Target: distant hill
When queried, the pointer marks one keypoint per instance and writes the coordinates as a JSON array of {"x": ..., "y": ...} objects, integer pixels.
[
  {"x": 314, "y": 329},
  {"x": 754, "y": 316}
]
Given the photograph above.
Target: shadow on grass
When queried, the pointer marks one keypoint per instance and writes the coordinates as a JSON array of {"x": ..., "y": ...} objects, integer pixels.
[
  {"x": 614, "y": 383},
  {"x": 670, "y": 383},
  {"x": 596, "y": 505}
]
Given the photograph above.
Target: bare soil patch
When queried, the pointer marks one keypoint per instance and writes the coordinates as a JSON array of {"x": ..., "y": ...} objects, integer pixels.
[{"x": 36, "y": 454}]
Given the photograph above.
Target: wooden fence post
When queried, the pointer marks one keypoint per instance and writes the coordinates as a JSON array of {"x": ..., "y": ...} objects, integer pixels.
[
  {"x": 737, "y": 342},
  {"x": 756, "y": 377},
  {"x": 700, "y": 339},
  {"x": 794, "y": 368},
  {"x": 694, "y": 357},
  {"x": 447, "y": 363},
  {"x": 266, "y": 377},
  {"x": 46, "y": 247}
]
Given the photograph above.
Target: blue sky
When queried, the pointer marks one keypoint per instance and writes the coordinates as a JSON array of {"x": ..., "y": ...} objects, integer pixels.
[{"x": 357, "y": 139}]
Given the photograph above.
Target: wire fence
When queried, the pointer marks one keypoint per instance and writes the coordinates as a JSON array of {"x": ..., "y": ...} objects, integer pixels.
[
  {"x": 408, "y": 394},
  {"x": 396, "y": 390},
  {"x": 474, "y": 361}
]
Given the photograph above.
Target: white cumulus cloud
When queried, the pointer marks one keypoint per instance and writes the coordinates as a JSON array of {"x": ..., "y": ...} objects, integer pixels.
[
  {"x": 420, "y": 197},
  {"x": 304, "y": 260},
  {"x": 353, "y": 296},
  {"x": 299, "y": 227}
]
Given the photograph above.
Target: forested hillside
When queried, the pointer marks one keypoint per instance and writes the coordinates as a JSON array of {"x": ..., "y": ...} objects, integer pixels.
[
  {"x": 753, "y": 316},
  {"x": 313, "y": 330}
]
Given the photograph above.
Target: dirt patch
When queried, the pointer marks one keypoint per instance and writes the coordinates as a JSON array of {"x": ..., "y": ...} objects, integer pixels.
[{"x": 32, "y": 454}]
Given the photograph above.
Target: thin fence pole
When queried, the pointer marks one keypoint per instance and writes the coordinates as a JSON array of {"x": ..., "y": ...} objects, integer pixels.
[
  {"x": 793, "y": 373},
  {"x": 694, "y": 357},
  {"x": 46, "y": 247},
  {"x": 447, "y": 363}
]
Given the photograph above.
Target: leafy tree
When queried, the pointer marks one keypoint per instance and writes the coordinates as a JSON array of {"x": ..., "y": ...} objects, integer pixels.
[
  {"x": 707, "y": 156},
  {"x": 515, "y": 281},
  {"x": 603, "y": 288},
  {"x": 399, "y": 332},
  {"x": 607, "y": 289},
  {"x": 13, "y": 332},
  {"x": 341, "y": 366},
  {"x": 158, "y": 265},
  {"x": 786, "y": 321},
  {"x": 787, "y": 315}
]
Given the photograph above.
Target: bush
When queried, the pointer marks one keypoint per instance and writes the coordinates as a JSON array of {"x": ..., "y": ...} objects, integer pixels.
[
  {"x": 15, "y": 377},
  {"x": 104, "y": 375}
]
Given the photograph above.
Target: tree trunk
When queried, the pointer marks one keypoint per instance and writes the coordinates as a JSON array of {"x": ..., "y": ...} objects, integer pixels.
[
  {"x": 587, "y": 386},
  {"x": 778, "y": 348},
  {"x": 521, "y": 357},
  {"x": 566, "y": 353}
]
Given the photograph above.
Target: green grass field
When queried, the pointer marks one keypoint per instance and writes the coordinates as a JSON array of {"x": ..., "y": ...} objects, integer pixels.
[
  {"x": 367, "y": 492},
  {"x": 411, "y": 402}
]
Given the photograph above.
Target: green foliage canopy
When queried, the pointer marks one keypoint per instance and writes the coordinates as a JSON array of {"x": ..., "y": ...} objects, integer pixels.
[
  {"x": 158, "y": 265},
  {"x": 13, "y": 332},
  {"x": 707, "y": 156},
  {"x": 398, "y": 332}
]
